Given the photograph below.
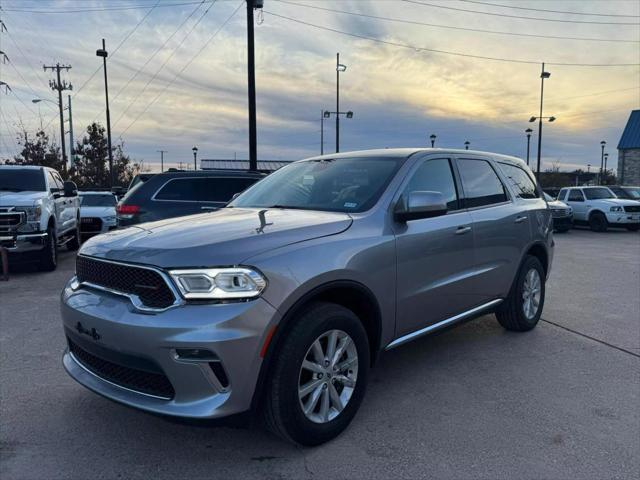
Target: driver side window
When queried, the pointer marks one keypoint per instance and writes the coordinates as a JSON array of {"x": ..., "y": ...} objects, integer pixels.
[
  {"x": 435, "y": 176},
  {"x": 576, "y": 196}
]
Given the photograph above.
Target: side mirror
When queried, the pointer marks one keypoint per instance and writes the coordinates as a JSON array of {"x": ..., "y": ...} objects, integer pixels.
[
  {"x": 421, "y": 205},
  {"x": 70, "y": 189}
]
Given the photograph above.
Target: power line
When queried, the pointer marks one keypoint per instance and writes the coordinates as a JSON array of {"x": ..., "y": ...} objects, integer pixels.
[
  {"x": 99, "y": 9},
  {"x": 451, "y": 27},
  {"x": 175, "y": 50},
  {"x": 548, "y": 11},
  {"x": 517, "y": 16},
  {"x": 158, "y": 50},
  {"x": 445, "y": 52},
  {"x": 213, "y": 35}
]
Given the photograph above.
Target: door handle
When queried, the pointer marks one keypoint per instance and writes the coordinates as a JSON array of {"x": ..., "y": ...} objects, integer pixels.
[
  {"x": 521, "y": 219},
  {"x": 462, "y": 230}
]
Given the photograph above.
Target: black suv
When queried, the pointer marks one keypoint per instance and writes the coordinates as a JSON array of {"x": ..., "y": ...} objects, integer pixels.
[{"x": 174, "y": 194}]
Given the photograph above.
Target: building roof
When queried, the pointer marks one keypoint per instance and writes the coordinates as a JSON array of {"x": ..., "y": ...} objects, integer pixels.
[
  {"x": 631, "y": 135},
  {"x": 263, "y": 165}
]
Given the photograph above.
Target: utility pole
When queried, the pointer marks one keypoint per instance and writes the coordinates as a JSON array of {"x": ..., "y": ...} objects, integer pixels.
[
  {"x": 72, "y": 157},
  {"x": 103, "y": 53},
  {"x": 251, "y": 73},
  {"x": 60, "y": 86},
  {"x": 162, "y": 152}
]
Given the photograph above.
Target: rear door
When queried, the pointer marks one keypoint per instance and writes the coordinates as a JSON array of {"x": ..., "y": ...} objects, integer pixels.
[
  {"x": 434, "y": 255},
  {"x": 501, "y": 227}
]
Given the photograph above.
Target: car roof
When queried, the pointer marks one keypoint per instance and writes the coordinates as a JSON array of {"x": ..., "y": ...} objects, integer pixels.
[
  {"x": 409, "y": 151},
  {"x": 207, "y": 173},
  {"x": 28, "y": 167}
]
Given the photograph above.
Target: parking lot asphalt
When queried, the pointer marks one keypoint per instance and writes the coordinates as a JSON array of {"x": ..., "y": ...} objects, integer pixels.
[{"x": 473, "y": 402}]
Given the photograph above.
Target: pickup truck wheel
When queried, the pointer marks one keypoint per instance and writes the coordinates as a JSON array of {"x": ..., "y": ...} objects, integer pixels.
[
  {"x": 598, "y": 222},
  {"x": 319, "y": 376},
  {"x": 633, "y": 228},
  {"x": 74, "y": 243},
  {"x": 49, "y": 254},
  {"x": 521, "y": 310}
]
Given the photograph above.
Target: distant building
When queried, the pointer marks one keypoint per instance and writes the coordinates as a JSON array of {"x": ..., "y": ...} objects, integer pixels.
[
  {"x": 266, "y": 166},
  {"x": 629, "y": 151}
]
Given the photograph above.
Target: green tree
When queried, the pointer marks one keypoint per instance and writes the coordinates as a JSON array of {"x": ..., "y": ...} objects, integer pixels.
[{"x": 38, "y": 149}]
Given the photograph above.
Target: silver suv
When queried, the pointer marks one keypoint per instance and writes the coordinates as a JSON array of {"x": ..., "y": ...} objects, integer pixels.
[{"x": 281, "y": 302}]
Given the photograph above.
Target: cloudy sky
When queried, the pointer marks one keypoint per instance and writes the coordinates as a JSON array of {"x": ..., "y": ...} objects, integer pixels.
[{"x": 461, "y": 69}]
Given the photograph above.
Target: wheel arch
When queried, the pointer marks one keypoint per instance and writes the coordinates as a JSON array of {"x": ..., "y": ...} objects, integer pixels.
[{"x": 348, "y": 293}]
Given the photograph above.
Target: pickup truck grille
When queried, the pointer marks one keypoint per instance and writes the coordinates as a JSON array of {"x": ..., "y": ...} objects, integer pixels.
[
  {"x": 560, "y": 212},
  {"x": 632, "y": 208},
  {"x": 10, "y": 220},
  {"x": 145, "y": 283}
]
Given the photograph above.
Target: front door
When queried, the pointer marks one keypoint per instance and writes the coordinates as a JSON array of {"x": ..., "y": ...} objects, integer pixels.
[
  {"x": 434, "y": 255},
  {"x": 577, "y": 202}
]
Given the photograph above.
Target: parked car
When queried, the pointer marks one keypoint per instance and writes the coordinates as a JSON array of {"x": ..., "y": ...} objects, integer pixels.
[
  {"x": 630, "y": 193},
  {"x": 39, "y": 212},
  {"x": 97, "y": 212},
  {"x": 281, "y": 301},
  {"x": 562, "y": 214},
  {"x": 140, "y": 178},
  {"x": 174, "y": 194},
  {"x": 599, "y": 208}
]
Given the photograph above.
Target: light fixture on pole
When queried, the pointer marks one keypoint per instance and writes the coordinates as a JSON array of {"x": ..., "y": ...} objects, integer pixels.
[
  {"x": 195, "y": 158},
  {"x": 327, "y": 114},
  {"x": 466, "y": 145},
  {"x": 528, "y": 131},
  {"x": 433, "y": 139},
  {"x": 606, "y": 157}
]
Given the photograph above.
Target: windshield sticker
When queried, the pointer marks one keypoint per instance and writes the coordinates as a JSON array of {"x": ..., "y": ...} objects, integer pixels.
[{"x": 350, "y": 205}]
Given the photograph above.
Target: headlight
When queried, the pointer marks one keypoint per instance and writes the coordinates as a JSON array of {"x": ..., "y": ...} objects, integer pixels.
[
  {"x": 616, "y": 209},
  {"x": 110, "y": 219},
  {"x": 219, "y": 283},
  {"x": 33, "y": 213}
]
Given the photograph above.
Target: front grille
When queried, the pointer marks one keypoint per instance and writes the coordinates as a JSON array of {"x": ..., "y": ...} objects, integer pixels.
[
  {"x": 156, "y": 384},
  {"x": 632, "y": 208},
  {"x": 147, "y": 284},
  {"x": 560, "y": 212},
  {"x": 9, "y": 221},
  {"x": 90, "y": 224}
]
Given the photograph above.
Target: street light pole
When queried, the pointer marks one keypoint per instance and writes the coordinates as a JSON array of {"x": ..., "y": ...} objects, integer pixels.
[
  {"x": 528, "y": 131},
  {"x": 433, "y": 139},
  {"x": 602, "y": 144},
  {"x": 251, "y": 73},
  {"x": 339, "y": 68},
  {"x": 606, "y": 157},
  {"x": 103, "y": 53},
  {"x": 162, "y": 152},
  {"x": 466, "y": 145},
  {"x": 195, "y": 158},
  {"x": 543, "y": 75},
  {"x": 72, "y": 156},
  {"x": 321, "y": 132}
]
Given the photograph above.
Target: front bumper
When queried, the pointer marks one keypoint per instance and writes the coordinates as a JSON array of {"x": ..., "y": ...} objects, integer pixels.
[
  {"x": 562, "y": 223},
  {"x": 23, "y": 243},
  {"x": 108, "y": 327},
  {"x": 623, "y": 218}
]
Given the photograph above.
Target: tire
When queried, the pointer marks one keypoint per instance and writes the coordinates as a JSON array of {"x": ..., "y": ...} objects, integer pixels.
[
  {"x": 283, "y": 410},
  {"x": 49, "y": 255},
  {"x": 633, "y": 228},
  {"x": 598, "y": 222},
  {"x": 74, "y": 243},
  {"x": 511, "y": 314}
]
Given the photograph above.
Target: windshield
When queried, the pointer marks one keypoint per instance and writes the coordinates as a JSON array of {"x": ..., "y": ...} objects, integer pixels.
[
  {"x": 106, "y": 200},
  {"x": 598, "y": 193},
  {"x": 337, "y": 185},
  {"x": 21, "y": 180},
  {"x": 548, "y": 197},
  {"x": 632, "y": 192}
]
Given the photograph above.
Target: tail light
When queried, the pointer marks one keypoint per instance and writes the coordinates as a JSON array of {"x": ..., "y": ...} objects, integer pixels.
[{"x": 127, "y": 211}]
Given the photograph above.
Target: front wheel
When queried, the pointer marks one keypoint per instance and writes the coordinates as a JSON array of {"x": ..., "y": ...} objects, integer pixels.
[
  {"x": 521, "y": 310},
  {"x": 598, "y": 222},
  {"x": 319, "y": 376},
  {"x": 49, "y": 254}
]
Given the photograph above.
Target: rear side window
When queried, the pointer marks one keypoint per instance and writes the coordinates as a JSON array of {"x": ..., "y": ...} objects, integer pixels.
[
  {"x": 521, "y": 181},
  {"x": 210, "y": 189},
  {"x": 576, "y": 196},
  {"x": 481, "y": 183},
  {"x": 435, "y": 176}
]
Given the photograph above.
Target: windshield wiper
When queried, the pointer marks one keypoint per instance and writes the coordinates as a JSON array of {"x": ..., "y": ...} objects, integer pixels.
[{"x": 291, "y": 207}]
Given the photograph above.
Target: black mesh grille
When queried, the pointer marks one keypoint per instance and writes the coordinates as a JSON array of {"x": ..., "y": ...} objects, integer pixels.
[
  {"x": 632, "y": 208},
  {"x": 91, "y": 224},
  {"x": 145, "y": 382},
  {"x": 147, "y": 284}
]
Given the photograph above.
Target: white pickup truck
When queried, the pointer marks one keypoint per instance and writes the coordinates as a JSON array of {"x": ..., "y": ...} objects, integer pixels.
[
  {"x": 600, "y": 209},
  {"x": 39, "y": 212}
]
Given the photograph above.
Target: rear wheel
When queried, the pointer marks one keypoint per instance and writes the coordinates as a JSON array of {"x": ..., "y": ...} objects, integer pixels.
[
  {"x": 49, "y": 254},
  {"x": 521, "y": 311},
  {"x": 598, "y": 222},
  {"x": 319, "y": 376}
]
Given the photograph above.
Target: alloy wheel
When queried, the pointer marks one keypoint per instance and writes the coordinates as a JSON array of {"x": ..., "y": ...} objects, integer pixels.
[
  {"x": 328, "y": 376},
  {"x": 531, "y": 293}
]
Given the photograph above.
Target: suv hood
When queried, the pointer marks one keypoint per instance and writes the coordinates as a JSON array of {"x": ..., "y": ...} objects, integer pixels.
[
  {"x": 557, "y": 205},
  {"x": 20, "y": 199},
  {"x": 224, "y": 237},
  {"x": 616, "y": 201}
]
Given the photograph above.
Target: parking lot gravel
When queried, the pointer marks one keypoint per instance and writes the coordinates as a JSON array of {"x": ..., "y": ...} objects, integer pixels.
[{"x": 473, "y": 402}]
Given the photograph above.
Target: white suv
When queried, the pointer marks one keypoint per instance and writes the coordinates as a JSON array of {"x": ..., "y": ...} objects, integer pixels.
[
  {"x": 599, "y": 208},
  {"x": 38, "y": 213}
]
